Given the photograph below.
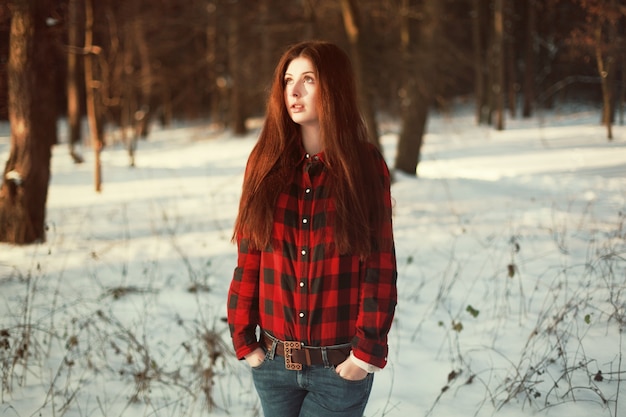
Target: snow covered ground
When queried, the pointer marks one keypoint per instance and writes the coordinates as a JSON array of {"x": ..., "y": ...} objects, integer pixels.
[{"x": 512, "y": 277}]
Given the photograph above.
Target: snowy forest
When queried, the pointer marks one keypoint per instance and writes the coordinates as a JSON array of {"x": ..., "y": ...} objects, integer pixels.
[
  {"x": 125, "y": 64},
  {"x": 124, "y": 132}
]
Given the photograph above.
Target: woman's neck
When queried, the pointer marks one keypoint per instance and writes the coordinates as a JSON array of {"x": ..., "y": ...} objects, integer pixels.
[{"x": 311, "y": 139}]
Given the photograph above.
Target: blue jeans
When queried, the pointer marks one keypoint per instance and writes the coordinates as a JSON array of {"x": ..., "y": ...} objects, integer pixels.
[{"x": 315, "y": 391}]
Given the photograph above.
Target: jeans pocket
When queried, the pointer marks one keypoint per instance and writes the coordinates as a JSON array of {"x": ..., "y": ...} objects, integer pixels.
[
  {"x": 350, "y": 381},
  {"x": 260, "y": 365}
]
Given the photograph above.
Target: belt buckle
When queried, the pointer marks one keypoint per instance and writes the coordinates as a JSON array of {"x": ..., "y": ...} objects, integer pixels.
[{"x": 289, "y": 347}]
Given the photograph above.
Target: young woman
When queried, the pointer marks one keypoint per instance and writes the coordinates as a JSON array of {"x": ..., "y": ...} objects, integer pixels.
[{"x": 314, "y": 292}]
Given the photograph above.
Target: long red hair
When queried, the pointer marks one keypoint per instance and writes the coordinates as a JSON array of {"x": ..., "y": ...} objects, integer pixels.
[{"x": 356, "y": 185}]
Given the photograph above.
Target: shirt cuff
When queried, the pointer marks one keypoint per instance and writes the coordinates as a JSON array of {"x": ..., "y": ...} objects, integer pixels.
[{"x": 363, "y": 365}]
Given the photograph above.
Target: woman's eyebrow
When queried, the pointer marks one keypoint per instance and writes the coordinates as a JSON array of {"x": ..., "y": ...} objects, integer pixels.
[{"x": 305, "y": 72}]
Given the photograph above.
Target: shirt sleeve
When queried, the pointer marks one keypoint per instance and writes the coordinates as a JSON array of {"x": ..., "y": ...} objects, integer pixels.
[
  {"x": 243, "y": 300},
  {"x": 363, "y": 365},
  {"x": 378, "y": 296}
]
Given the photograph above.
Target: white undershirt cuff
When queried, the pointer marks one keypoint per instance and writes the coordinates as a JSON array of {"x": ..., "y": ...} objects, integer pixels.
[{"x": 363, "y": 365}]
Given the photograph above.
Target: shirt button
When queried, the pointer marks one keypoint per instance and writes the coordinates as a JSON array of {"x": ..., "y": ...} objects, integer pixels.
[
  {"x": 301, "y": 315},
  {"x": 305, "y": 220},
  {"x": 316, "y": 158},
  {"x": 301, "y": 284},
  {"x": 303, "y": 252},
  {"x": 307, "y": 191},
  {"x": 307, "y": 156}
]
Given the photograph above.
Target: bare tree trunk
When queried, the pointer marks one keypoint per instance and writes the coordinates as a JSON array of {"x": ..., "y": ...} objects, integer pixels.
[
  {"x": 236, "y": 109},
  {"x": 510, "y": 57},
  {"x": 141, "y": 88},
  {"x": 622, "y": 95},
  {"x": 93, "y": 96},
  {"x": 411, "y": 138},
  {"x": 420, "y": 61},
  {"x": 73, "y": 84},
  {"x": 529, "y": 60},
  {"x": 351, "y": 19},
  {"x": 310, "y": 20},
  {"x": 143, "y": 113},
  {"x": 497, "y": 89},
  {"x": 167, "y": 111},
  {"x": 606, "y": 67},
  {"x": 606, "y": 75},
  {"x": 122, "y": 83},
  {"x": 211, "y": 55},
  {"x": 266, "y": 60},
  {"x": 32, "y": 116},
  {"x": 126, "y": 91},
  {"x": 482, "y": 112}
]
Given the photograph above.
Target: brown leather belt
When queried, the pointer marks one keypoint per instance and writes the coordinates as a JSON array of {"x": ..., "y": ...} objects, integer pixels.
[{"x": 297, "y": 354}]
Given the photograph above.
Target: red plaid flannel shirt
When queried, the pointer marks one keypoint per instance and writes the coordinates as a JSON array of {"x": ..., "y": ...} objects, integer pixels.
[{"x": 302, "y": 289}]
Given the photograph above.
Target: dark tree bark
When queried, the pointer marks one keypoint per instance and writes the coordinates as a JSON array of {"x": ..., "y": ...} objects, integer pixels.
[
  {"x": 605, "y": 69},
  {"x": 32, "y": 116},
  {"x": 236, "y": 106},
  {"x": 93, "y": 92},
  {"x": 211, "y": 58},
  {"x": 351, "y": 18},
  {"x": 478, "y": 22},
  {"x": 497, "y": 86},
  {"x": 310, "y": 19},
  {"x": 74, "y": 83},
  {"x": 510, "y": 57},
  {"x": 420, "y": 61},
  {"x": 143, "y": 112},
  {"x": 622, "y": 94},
  {"x": 529, "y": 59},
  {"x": 138, "y": 99},
  {"x": 606, "y": 59}
]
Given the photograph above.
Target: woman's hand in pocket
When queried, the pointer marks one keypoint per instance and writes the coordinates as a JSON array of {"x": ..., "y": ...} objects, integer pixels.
[
  {"x": 350, "y": 371},
  {"x": 255, "y": 358}
]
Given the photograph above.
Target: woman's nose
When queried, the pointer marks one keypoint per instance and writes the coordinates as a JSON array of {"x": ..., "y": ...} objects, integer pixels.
[{"x": 295, "y": 90}]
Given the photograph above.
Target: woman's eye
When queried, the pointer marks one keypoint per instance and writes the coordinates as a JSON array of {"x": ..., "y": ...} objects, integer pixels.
[
  {"x": 308, "y": 80},
  {"x": 288, "y": 81}
]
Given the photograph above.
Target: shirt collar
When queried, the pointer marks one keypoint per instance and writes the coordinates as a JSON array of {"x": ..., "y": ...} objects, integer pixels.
[{"x": 307, "y": 157}]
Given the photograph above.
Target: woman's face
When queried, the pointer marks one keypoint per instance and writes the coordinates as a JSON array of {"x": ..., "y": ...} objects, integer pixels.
[{"x": 300, "y": 83}]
